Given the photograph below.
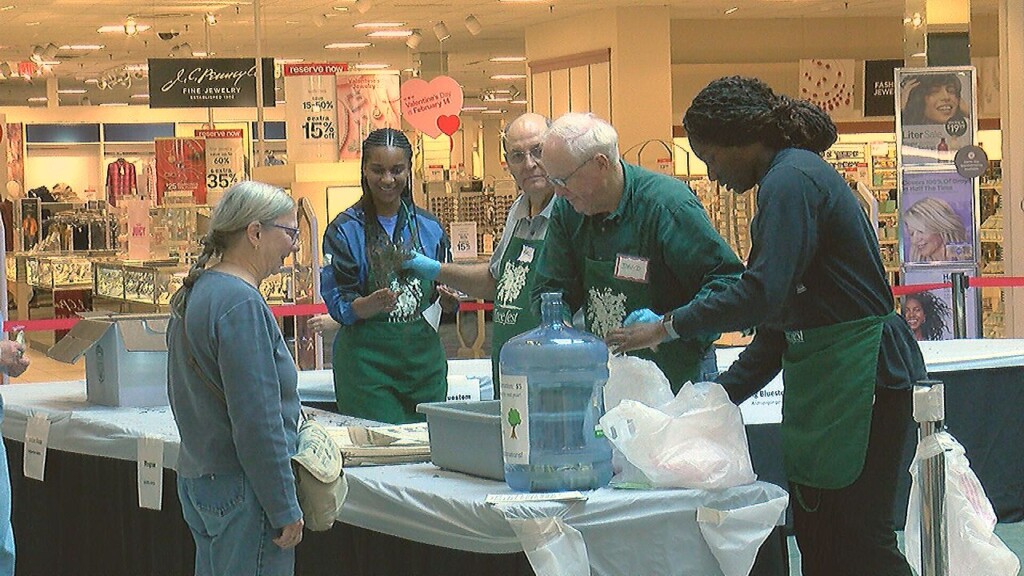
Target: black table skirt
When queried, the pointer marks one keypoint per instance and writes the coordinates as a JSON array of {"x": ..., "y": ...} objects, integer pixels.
[{"x": 84, "y": 520}]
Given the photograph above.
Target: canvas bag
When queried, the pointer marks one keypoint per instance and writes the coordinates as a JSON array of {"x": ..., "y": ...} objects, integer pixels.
[{"x": 320, "y": 482}]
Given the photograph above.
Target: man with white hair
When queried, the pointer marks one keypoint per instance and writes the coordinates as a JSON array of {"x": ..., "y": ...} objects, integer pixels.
[
  {"x": 508, "y": 276},
  {"x": 623, "y": 238}
]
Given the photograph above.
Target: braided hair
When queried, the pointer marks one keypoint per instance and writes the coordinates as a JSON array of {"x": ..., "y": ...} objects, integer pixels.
[
  {"x": 374, "y": 233},
  {"x": 736, "y": 111},
  {"x": 242, "y": 204}
]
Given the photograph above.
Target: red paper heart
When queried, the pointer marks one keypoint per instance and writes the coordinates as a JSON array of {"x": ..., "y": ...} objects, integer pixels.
[{"x": 448, "y": 124}]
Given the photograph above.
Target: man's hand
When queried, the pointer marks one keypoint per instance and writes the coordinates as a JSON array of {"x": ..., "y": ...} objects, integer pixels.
[
  {"x": 12, "y": 358},
  {"x": 425, "y": 267},
  {"x": 291, "y": 535},
  {"x": 322, "y": 323},
  {"x": 383, "y": 300}
]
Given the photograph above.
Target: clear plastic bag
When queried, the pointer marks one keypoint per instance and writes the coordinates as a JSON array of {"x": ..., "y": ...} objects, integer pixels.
[
  {"x": 697, "y": 440},
  {"x": 632, "y": 378},
  {"x": 974, "y": 548}
]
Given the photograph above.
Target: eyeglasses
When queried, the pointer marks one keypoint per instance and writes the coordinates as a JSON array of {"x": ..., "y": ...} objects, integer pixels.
[
  {"x": 292, "y": 232},
  {"x": 519, "y": 156},
  {"x": 564, "y": 182}
]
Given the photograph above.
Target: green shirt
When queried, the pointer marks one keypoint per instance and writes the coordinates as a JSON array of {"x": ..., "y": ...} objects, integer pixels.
[{"x": 659, "y": 219}]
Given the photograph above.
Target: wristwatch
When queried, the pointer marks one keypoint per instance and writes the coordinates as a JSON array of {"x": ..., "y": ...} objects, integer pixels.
[{"x": 666, "y": 322}]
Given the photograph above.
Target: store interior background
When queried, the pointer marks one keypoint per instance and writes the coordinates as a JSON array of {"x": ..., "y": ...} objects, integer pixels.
[{"x": 638, "y": 65}]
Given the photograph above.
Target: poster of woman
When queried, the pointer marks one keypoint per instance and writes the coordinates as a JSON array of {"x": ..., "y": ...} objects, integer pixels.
[
  {"x": 929, "y": 313},
  {"x": 937, "y": 218},
  {"x": 936, "y": 113}
]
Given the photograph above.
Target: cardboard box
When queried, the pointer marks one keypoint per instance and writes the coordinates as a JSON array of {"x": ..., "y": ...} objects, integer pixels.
[{"x": 125, "y": 358}]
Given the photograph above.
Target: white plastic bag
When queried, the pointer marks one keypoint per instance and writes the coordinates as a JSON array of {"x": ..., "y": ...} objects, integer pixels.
[
  {"x": 553, "y": 547},
  {"x": 695, "y": 441},
  {"x": 632, "y": 378},
  {"x": 735, "y": 536},
  {"x": 974, "y": 548}
]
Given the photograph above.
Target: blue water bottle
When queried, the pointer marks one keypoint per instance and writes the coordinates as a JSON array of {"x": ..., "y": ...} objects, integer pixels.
[{"x": 552, "y": 396}]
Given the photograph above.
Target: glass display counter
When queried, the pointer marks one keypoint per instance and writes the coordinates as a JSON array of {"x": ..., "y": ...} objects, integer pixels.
[
  {"x": 138, "y": 281},
  {"x": 54, "y": 272}
]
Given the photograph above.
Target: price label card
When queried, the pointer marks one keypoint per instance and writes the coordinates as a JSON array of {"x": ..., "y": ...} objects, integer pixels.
[
  {"x": 461, "y": 388},
  {"x": 37, "y": 434},
  {"x": 151, "y": 472},
  {"x": 569, "y": 496}
]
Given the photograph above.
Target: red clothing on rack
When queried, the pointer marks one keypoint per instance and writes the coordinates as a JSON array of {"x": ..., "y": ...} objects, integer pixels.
[{"x": 121, "y": 180}]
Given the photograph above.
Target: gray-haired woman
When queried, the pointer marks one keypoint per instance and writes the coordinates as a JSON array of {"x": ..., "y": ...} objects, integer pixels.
[{"x": 232, "y": 387}]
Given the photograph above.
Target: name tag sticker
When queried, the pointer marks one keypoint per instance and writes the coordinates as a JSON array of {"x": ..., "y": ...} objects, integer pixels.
[
  {"x": 526, "y": 255},
  {"x": 632, "y": 268}
]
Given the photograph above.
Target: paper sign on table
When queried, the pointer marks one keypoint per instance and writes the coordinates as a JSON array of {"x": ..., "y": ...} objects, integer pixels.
[
  {"x": 151, "y": 472},
  {"x": 37, "y": 433}
]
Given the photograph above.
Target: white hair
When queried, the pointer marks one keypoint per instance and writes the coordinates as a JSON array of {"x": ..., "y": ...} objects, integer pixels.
[{"x": 586, "y": 135}]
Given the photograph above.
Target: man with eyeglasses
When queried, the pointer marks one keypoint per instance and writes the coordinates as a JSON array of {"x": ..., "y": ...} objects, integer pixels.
[
  {"x": 622, "y": 238},
  {"x": 508, "y": 277}
]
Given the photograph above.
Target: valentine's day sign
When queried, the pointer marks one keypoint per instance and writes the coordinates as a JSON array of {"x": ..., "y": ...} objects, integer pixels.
[{"x": 432, "y": 107}]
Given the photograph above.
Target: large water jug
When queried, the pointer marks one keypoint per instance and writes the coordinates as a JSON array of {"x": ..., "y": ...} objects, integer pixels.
[{"x": 552, "y": 396}]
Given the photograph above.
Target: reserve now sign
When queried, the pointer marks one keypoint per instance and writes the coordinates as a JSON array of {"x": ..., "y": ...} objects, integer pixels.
[{"x": 208, "y": 82}]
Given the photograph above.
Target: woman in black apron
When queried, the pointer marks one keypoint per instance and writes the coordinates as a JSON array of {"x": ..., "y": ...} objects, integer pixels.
[
  {"x": 387, "y": 357},
  {"x": 816, "y": 291}
]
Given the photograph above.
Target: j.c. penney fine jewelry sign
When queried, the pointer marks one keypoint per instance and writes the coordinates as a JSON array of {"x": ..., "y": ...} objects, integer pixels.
[{"x": 208, "y": 82}]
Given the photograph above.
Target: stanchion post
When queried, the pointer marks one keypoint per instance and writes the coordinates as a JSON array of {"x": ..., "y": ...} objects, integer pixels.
[
  {"x": 929, "y": 413},
  {"x": 959, "y": 281}
]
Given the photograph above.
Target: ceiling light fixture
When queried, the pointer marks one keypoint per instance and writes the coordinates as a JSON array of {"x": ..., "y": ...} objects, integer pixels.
[
  {"x": 441, "y": 31},
  {"x": 372, "y": 66},
  {"x": 119, "y": 28},
  {"x": 363, "y": 6},
  {"x": 38, "y": 99},
  {"x": 8, "y": 7},
  {"x": 505, "y": 59},
  {"x": 130, "y": 27},
  {"x": 474, "y": 108},
  {"x": 508, "y": 77},
  {"x": 50, "y": 52},
  {"x": 211, "y": 18},
  {"x": 341, "y": 8},
  {"x": 519, "y": 102},
  {"x": 141, "y": 96},
  {"x": 364, "y": 25},
  {"x": 37, "y": 54},
  {"x": 83, "y": 47},
  {"x": 72, "y": 91},
  {"x": 114, "y": 104},
  {"x": 731, "y": 10},
  {"x": 414, "y": 39},
  {"x": 473, "y": 25},
  {"x": 390, "y": 34},
  {"x": 347, "y": 45},
  {"x": 492, "y": 112}
]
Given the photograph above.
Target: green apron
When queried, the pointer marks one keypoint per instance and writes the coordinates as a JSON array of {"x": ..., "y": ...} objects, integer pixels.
[
  {"x": 513, "y": 312},
  {"x": 829, "y": 378},
  {"x": 384, "y": 366},
  {"x": 609, "y": 299}
]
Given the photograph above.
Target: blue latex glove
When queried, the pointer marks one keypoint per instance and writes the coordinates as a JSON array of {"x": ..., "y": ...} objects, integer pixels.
[
  {"x": 641, "y": 316},
  {"x": 422, "y": 266}
]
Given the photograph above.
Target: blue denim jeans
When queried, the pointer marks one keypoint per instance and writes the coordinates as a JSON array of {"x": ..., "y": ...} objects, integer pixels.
[
  {"x": 708, "y": 366},
  {"x": 6, "y": 532},
  {"x": 232, "y": 532}
]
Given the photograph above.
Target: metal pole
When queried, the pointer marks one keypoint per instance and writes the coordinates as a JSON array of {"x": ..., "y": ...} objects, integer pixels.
[
  {"x": 206, "y": 29},
  {"x": 929, "y": 413},
  {"x": 959, "y": 280},
  {"x": 261, "y": 149}
]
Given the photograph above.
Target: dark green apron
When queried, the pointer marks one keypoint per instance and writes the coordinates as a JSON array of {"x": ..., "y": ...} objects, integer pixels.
[
  {"x": 829, "y": 386},
  {"x": 384, "y": 366},
  {"x": 513, "y": 312},
  {"x": 610, "y": 299}
]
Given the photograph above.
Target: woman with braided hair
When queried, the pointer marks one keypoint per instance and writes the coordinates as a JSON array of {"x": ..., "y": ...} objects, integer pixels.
[
  {"x": 387, "y": 357},
  {"x": 233, "y": 390},
  {"x": 816, "y": 291}
]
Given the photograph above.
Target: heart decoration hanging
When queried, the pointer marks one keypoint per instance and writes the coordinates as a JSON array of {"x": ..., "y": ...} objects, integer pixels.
[{"x": 432, "y": 107}]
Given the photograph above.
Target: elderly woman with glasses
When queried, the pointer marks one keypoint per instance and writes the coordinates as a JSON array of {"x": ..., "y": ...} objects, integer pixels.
[
  {"x": 233, "y": 391},
  {"x": 387, "y": 357}
]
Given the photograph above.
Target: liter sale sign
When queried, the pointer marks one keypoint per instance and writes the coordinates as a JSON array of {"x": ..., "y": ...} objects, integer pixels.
[{"x": 208, "y": 82}]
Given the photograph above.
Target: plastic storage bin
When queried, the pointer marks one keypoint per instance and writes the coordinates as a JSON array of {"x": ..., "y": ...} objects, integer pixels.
[{"x": 465, "y": 437}]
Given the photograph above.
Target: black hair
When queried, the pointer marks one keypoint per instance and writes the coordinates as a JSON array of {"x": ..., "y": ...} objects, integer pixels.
[
  {"x": 913, "y": 112},
  {"x": 736, "y": 111},
  {"x": 935, "y": 312}
]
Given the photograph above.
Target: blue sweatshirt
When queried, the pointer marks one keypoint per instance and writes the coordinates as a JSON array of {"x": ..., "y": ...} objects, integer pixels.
[{"x": 250, "y": 425}]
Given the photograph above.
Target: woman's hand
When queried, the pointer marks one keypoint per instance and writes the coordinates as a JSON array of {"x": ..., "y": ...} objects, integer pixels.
[
  {"x": 383, "y": 300},
  {"x": 12, "y": 358},
  {"x": 291, "y": 535},
  {"x": 322, "y": 323},
  {"x": 449, "y": 298},
  {"x": 636, "y": 337},
  {"x": 906, "y": 89}
]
